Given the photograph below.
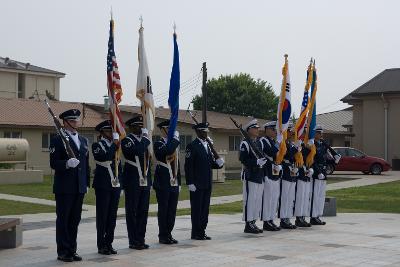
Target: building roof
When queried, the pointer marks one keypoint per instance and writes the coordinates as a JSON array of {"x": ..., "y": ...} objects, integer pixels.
[
  {"x": 9, "y": 64},
  {"x": 33, "y": 113},
  {"x": 388, "y": 81},
  {"x": 334, "y": 122}
]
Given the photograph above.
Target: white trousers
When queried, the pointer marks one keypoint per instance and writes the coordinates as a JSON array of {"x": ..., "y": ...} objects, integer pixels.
[
  {"x": 318, "y": 197},
  {"x": 286, "y": 200},
  {"x": 303, "y": 199},
  {"x": 252, "y": 200},
  {"x": 270, "y": 199}
]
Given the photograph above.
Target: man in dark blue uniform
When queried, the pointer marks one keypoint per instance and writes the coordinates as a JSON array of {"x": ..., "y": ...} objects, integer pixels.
[
  {"x": 71, "y": 180},
  {"x": 253, "y": 179},
  {"x": 273, "y": 173},
  {"x": 318, "y": 188},
  {"x": 198, "y": 171},
  {"x": 106, "y": 185},
  {"x": 136, "y": 181},
  {"x": 167, "y": 182}
]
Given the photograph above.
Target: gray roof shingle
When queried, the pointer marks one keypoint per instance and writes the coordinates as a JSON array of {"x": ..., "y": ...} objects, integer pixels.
[
  {"x": 7, "y": 63},
  {"x": 388, "y": 81},
  {"x": 332, "y": 122}
]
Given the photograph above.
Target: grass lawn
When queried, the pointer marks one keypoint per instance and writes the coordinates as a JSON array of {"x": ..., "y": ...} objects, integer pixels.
[
  {"x": 8, "y": 207},
  {"x": 372, "y": 198},
  {"x": 382, "y": 198}
]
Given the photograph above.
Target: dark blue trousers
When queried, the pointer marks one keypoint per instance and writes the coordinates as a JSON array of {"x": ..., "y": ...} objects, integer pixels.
[
  {"x": 106, "y": 215},
  {"x": 68, "y": 210},
  {"x": 136, "y": 211},
  {"x": 167, "y": 203},
  {"x": 199, "y": 209}
]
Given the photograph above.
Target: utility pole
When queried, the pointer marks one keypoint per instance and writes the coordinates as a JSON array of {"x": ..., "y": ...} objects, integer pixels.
[{"x": 204, "y": 92}]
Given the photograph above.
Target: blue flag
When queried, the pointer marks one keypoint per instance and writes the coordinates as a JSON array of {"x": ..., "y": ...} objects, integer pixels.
[
  {"x": 174, "y": 86},
  {"x": 311, "y": 131}
]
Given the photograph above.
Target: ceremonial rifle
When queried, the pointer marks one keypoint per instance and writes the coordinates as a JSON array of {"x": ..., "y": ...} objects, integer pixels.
[
  {"x": 258, "y": 153},
  {"x": 61, "y": 132},
  {"x": 213, "y": 151}
]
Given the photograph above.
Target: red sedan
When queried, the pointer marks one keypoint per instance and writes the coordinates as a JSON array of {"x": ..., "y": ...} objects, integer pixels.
[{"x": 355, "y": 160}]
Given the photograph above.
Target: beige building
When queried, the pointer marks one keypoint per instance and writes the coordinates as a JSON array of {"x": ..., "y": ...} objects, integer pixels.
[
  {"x": 376, "y": 113},
  {"x": 23, "y": 80}
]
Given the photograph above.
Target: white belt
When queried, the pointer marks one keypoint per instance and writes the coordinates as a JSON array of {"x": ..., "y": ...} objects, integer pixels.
[
  {"x": 136, "y": 164},
  {"x": 107, "y": 164},
  {"x": 171, "y": 176}
]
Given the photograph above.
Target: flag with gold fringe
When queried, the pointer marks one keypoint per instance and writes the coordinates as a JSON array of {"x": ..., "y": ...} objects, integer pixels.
[
  {"x": 283, "y": 112},
  {"x": 312, "y": 119}
]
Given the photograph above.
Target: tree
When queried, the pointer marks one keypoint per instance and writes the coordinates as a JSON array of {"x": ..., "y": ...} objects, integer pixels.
[{"x": 239, "y": 94}]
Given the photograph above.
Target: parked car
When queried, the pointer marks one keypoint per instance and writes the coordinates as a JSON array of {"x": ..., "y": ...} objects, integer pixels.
[{"x": 355, "y": 160}]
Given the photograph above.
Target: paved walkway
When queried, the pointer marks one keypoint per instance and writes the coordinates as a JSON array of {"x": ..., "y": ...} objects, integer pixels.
[
  {"x": 90, "y": 210},
  {"x": 347, "y": 240}
]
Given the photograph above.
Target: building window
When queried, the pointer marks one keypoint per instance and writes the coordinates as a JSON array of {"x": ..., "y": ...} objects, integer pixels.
[
  {"x": 12, "y": 134},
  {"x": 185, "y": 140},
  {"x": 234, "y": 142},
  {"x": 46, "y": 137}
]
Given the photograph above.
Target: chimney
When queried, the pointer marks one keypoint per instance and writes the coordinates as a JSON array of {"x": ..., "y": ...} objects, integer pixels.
[
  {"x": 6, "y": 60},
  {"x": 27, "y": 65}
]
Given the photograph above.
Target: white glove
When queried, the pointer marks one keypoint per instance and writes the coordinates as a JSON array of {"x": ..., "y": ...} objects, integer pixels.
[
  {"x": 220, "y": 162},
  {"x": 176, "y": 135},
  {"x": 321, "y": 176},
  {"x": 310, "y": 142},
  {"x": 310, "y": 172},
  {"x": 337, "y": 158},
  {"x": 192, "y": 188},
  {"x": 115, "y": 136},
  {"x": 209, "y": 139},
  {"x": 298, "y": 143},
  {"x": 295, "y": 170},
  {"x": 145, "y": 131},
  {"x": 72, "y": 163},
  {"x": 277, "y": 168},
  {"x": 261, "y": 161}
]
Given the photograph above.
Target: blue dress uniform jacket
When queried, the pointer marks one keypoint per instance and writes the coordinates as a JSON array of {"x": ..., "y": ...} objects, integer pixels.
[
  {"x": 167, "y": 195},
  {"x": 137, "y": 197},
  {"x": 288, "y": 161},
  {"x": 270, "y": 148},
  {"x": 69, "y": 180},
  {"x": 251, "y": 171},
  {"x": 132, "y": 148},
  {"x": 162, "y": 177},
  {"x": 107, "y": 197},
  {"x": 104, "y": 153},
  {"x": 70, "y": 186},
  {"x": 319, "y": 165},
  {"x": 199, "y": 164}
]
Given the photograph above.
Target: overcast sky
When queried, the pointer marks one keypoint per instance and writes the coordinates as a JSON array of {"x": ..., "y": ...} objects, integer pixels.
[{"x": 352, "y": 41}]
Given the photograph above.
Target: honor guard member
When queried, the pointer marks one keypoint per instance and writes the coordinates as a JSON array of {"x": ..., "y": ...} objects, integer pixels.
[
  {"x": 303, "y": 189},
  {"x": 199, "y": 163},
  {"x": 253, "y": 179},
  {"x": 167, "y": 182},
  {"x": 136, "y": 181},
  {"x": 71, "y": 180},
  {"x": 106, "y": 185},
  {"x": 288, "y": 183},
  {"x": 319, "y": 177},
  {"x": 272, "y": 174}
]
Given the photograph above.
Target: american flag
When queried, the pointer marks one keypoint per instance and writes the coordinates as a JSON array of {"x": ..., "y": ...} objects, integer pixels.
[
  {"x": 301, "y": 122},
  {"x": 114, "y": 85}
]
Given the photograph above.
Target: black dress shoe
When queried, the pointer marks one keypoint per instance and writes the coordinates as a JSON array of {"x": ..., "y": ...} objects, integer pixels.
[
  {"x": 196, "y": 237},
  {"x": 316, "y": 221},
  {"x": 165, "y": 241},
  {"x": 249, "y": 229},
  {"x": 304, "y": 220},
  {"x": 256, "y": 227},
  {"x": 65, "y": 258},
  {"x": 76, "y": 257},
  {"x": 104, "y": 251},
  {"x": 136, "y": 246},
  {"x": 268, "y": 227},
  {"x": 173, "y": 240},
  {"x": 145, "y": 246},
  {"x": 206, "y": 237},
  {"x": 277, "y": 228},
  {"x": 300, "y": 223},
  {"x": 112, "y": 250},
  {"x": 286, "y": 224}
]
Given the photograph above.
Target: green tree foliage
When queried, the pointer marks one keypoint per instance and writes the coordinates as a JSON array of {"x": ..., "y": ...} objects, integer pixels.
[{"x": 239, "y": 94}]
